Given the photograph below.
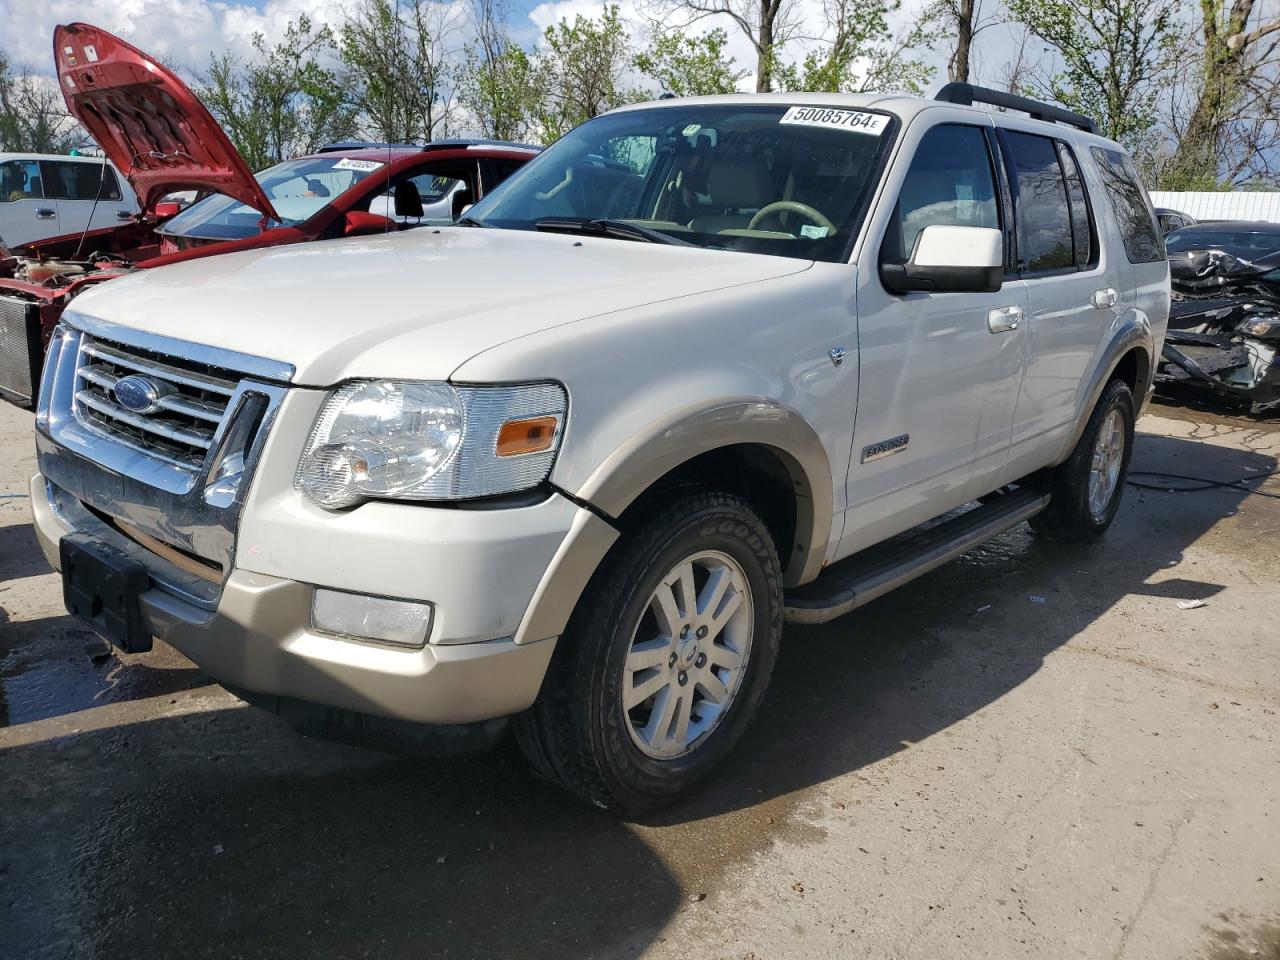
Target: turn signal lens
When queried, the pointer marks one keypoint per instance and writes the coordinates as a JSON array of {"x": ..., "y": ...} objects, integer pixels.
[{"x": 533, "y": 435}]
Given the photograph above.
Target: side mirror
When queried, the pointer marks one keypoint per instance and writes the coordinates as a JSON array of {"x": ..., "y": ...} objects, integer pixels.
[
  {"x": 167, "y": 208},
  {"x": 950, "y": 259},
  {"x": 358, "y": 223}
]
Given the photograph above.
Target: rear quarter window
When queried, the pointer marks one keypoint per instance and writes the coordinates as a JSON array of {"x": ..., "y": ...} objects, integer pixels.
[{"x": 1134, "y": 215}]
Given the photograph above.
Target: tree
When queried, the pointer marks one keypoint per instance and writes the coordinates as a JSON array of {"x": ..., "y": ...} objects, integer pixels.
[
  {"x": 966, "y": 18},
  {"x": 1115, "y": 56},
  {"x": 1230, "y": 132},
  {"x": 400, "y": 72},
  {"x": 499, "y": 86},
  {"x": 281, "y": 102},
  {"x": 861, "y": 53},
  {"x": 767, "y": 24},
  {"x": 33, "y": 114},
  {"x": 581, "y": 67},
  {"x": 690, "y": 66}
]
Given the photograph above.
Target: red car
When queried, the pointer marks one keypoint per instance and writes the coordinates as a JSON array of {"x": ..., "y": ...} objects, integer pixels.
[{"x": 152, "y": 127}]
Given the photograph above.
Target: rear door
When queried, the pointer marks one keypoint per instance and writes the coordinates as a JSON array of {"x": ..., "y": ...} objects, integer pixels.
[
  {"x": 1073, "y": 289},
  {"x": 88, "y": 195},
  {"x": 25, "y": 214},
  {"x": 1146, "y": 288}
]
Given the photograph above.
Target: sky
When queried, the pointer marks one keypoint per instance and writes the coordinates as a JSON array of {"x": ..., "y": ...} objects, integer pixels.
[{"x": 185, "y": 32}]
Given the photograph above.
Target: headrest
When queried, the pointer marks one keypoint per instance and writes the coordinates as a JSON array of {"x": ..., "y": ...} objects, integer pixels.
[{"x": 737, "y": 184}]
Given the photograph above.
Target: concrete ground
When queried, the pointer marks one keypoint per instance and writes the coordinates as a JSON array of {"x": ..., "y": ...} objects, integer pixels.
[{"x": 1031, "y": 752}]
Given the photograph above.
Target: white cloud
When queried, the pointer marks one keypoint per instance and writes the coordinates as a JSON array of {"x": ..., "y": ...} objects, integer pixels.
[
  {"x": 181, "y": 32},
  {"x": 185, "y": 32}
]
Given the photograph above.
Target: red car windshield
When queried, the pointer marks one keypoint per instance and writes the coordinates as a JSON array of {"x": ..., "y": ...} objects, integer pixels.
[{"x": 296, "y": 188}]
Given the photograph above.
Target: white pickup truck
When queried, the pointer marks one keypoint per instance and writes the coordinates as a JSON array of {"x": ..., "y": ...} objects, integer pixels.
[{"x": 703, "y": 366}]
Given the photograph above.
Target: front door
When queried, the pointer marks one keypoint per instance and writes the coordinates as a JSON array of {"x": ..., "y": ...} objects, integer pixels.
[
  {"x": 25, "y": 214},
  {"x": 939, "y": 372},
  {"x": 444, "y": 189}
]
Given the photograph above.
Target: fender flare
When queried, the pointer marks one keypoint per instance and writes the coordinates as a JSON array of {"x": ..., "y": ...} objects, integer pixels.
[
  {"x": 680, "y": 436},
  {"x": 652, "y": 453},
  {"x": 1135, "y": 334}
]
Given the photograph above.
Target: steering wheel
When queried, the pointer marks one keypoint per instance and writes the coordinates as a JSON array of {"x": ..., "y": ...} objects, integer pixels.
[{"x": 792, "y": 206}]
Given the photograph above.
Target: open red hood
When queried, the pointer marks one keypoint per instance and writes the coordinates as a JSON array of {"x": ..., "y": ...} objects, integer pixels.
[{"x": 146, "y": 120}]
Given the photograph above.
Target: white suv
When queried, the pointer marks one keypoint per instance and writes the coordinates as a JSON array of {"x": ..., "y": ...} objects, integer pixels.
[
  {"x": 48, "y": 195},
  {"x": 703, "y": 366}
]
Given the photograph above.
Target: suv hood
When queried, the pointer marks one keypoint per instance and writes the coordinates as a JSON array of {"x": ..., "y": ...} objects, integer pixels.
[
  {"x": 146, "y": 120},
  {"x": 411, "y": 305}
]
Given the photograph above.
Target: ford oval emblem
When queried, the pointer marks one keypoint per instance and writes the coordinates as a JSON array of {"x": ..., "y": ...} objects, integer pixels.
[{"x": 137, "y": 394}]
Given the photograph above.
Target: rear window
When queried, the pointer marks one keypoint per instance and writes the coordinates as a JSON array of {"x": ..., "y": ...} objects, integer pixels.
[
  {"x": 1241, "y": 244},
  {"x": 1142, "y": 240}
]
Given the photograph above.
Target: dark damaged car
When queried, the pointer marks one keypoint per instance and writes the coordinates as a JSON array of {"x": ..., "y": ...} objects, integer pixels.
[
  {"x": 1224, "y": 326},
  {"x": 162, "y": 139}
]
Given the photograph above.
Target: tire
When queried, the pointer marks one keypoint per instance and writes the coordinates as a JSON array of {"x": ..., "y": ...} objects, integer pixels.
[
  {"x": 582, "y": 735},
  {"x": 1075, "y": 513}
]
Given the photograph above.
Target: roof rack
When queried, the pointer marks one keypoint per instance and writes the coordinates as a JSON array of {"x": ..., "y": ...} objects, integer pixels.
[
  {"x": 967, "y": 94},
  {"x": 343, "y": 145},
  {"x": 463, "y": 142}
]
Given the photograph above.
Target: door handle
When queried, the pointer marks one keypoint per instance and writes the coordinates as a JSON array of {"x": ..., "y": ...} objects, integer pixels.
[
  {"x": 124, "y": 215},
  {"x": 1003, "y": 319},
  {"x": 1104, "y": 299},
  {"x": 44, "y": 213}
]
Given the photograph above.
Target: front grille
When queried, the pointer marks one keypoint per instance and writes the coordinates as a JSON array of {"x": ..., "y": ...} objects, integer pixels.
[
  {"x": 191, "y": 403},
  {"x": 19, "y": 348}
]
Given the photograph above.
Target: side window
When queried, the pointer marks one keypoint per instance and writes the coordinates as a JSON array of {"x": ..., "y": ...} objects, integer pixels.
[
  {"x": 20, "y": 180},
  {"x": 950, "y": 182},
  {"x": 1040, "y": 201},
  {"x": 433, "y": 187},
  {"x": 503, "y": 169},
  {"x": 441, "y": 190},
  {"x": 1082, "y": 237},
  {"x": 1142, "y": 241},
  {"x": 65, "y": 180}
]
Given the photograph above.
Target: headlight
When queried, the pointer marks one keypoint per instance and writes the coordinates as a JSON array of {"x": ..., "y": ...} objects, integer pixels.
[
  {"x": 430, "y": 441},
  {"x": 1256, "y": 327}
]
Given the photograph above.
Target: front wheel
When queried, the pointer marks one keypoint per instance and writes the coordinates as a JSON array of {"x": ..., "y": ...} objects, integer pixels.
[
  {"x": 1088, "y": 486},
  {"x": 666, "y": 658}
]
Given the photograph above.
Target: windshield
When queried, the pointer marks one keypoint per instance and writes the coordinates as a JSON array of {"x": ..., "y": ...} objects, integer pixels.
[
  {"x": 296, "y": 188},
  {"x": 1241, "y": 244},
  {"x": 786, "y": 180}
]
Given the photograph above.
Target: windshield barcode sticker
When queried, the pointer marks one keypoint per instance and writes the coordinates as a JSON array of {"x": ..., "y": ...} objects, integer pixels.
[
  {"x": 854, "y": 120},
  {"x": 347, "y": 163}
]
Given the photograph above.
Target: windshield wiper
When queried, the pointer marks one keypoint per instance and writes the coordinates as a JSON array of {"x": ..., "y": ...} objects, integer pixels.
[
  {"x": 469, "y": 222},
  {"x": 620, "y": 229}
]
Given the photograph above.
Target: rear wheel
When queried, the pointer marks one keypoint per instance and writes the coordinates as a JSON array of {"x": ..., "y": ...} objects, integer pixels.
[
  {"x": 1087, "y": 488},
  {"x": 666, "y": 658}
]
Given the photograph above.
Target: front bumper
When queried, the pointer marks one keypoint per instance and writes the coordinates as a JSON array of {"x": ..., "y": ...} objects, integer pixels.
[
  {"x": 259, "y": 639},
  {"x": 1234, "y": 368}
]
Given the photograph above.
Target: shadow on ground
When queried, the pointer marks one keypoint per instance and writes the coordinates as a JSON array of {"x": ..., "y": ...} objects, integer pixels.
[{"x": 221, "y": 833}]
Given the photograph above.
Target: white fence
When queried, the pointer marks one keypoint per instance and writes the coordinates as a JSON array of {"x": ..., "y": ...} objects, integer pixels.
[{"x": 1244, "y": 205}]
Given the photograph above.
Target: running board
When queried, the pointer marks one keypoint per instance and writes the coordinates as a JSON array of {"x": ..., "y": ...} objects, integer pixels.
[{"x": 861, "y": 578}]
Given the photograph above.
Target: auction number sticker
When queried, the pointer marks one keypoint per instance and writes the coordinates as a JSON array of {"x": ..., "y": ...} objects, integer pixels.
[
  {"x": 854, "y": 120},
  {"x": 347, "y": 163}
]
